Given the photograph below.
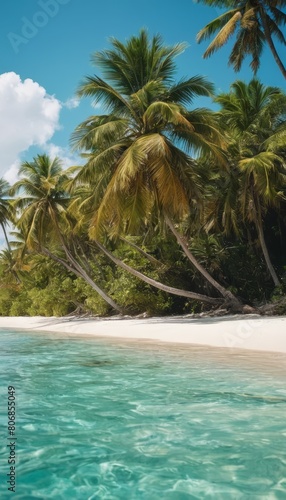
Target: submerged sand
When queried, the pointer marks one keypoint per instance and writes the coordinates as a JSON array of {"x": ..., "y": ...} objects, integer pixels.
[{"x": 243, "y": 332}]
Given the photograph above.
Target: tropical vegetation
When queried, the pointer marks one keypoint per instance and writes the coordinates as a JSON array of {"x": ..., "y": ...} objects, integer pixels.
[
  {"x": 177, "y": 208},
  {"x": 255, "y": 22}
]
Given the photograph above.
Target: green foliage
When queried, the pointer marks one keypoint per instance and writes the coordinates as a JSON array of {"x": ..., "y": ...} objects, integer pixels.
[
  {"x": 245, "y": 269},
  {"x": 21, "y": 304},
  {"x": 7, "y": 296},
  {"x": 225, "y": 207},
  {"x": 254, "y": 23},
  {"x": 53, "y": 300},
  {"x": 138, "y": 297},
  {"x": 88, "y": 301},
  {"x": 132, "y": 150}
]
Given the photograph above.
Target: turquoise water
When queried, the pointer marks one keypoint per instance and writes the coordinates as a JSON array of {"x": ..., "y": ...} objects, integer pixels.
[{"x": 97, "y": 419}]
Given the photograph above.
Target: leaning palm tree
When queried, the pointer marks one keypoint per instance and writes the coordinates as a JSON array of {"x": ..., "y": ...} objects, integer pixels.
[
  {"x": 5, "y": 209},
  {"x": 254, "y": 118},
  {"x": 43, "y": 217},
  {"x": 139, "y": 153},
  {"x": 82, "y": 206},
  {"x": 255, "y": 22},
  {"x": 6, "y": 216}
]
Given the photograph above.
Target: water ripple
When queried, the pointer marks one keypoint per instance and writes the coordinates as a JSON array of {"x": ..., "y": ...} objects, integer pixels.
[{"x": 102, "y": 420}]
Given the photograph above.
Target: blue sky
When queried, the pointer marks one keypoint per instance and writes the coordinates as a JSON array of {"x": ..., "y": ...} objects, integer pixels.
[{"x": 45, "y": 52}]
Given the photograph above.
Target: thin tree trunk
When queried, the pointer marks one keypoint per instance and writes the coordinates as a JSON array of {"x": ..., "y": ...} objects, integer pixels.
[
  {"x": 87, "y": 278},
  {"x": 10, "y": 253},
  {"x": 81, "y": 258},
  {"x": 151, "y": 259},
  {"x": 263, "y": 245},
  {"x": 270, "y": 42},
  {"x": 76, "y": 266},
  {"x": 157, "y": 284},
  {"x": 76, "y": 269},
  {"x": 59, "y": 260},
  {"x": 5, "y": 236},
  {"x": 225, "y": 293}
]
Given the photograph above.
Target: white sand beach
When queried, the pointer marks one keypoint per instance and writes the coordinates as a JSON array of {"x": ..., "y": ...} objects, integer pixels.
[{"x": 243, "y": 332}]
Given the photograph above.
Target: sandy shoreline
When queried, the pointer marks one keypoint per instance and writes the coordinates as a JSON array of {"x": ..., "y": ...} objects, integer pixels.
[{"x": 243, "y": 332}]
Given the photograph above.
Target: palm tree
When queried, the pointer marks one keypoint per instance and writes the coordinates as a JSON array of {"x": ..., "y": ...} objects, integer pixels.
[
  {"x": 254, "y": 117},
  {"x": 254, "y": 21},
  {"x": 43, "y": 215},
  {"x": 81, "y": 208},
  {"x": 5, "y": 209},
  {"x": 6, "y": 216},
  {"x": 138, "y": 154}
]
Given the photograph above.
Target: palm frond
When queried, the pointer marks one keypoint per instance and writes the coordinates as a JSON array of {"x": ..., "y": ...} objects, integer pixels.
[
  {"x": 99, "y": 131},
  {"x": 130, "y": 66},
  {"x": 161, "y": 114},
  {"x": 215, "y": 25},
  {"x": 102, "y": 93},
  {"x": 275, "y": 30},
  {"x": 223, "y": 35},
  {"x": 186, "y": 90}
]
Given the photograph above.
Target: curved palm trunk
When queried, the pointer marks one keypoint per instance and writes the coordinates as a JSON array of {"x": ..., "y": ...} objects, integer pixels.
[
  {"x": 76, "y": 269},
  {"x": 99, "y": 290},
  {"x": 228, "y": 296},
  {"x": 270, "y": 42},
  {"x": 157, "y": 284},
  {"x": 5, "y": 236},
  {"x": 81, "y": 258},
  {"x": 263, "y": 245},
  {"x": 79, "y": 271}
]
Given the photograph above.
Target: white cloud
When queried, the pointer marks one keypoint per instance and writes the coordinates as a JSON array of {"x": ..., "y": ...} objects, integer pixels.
[
  {"x": 72, "y": 103},
  {"x": 11, "y": 175},
  {"x": 67, "y": 158},
  {"x": 28, "y": 117}
]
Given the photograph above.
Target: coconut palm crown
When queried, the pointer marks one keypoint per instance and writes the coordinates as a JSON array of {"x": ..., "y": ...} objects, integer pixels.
[
  {"x": 5, "y": 208},
  {"x": 42, "y": 197},
  {"x": 138, "y": 153},
  {"x": 255, "y": 22},
  {"x": 253, "y": 116}
]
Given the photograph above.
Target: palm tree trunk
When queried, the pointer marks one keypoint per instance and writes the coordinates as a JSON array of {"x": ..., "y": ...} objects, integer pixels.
[
  {"x": 5, "y": 236},
  {"x": 263, "y": 245},
  {"x": 76, "y": 269},
  {"x": 75, "y": 266},
  {"x": 10, "y": 253},
  {"x": 149, "y": 257},
  {"x": 234, "y": 302},
  {"x": 99, "y": 290},
  {"x": 157, "y": 284},
  {"x": 270, "y": 42},
  {"x": 81, "y": 258}
]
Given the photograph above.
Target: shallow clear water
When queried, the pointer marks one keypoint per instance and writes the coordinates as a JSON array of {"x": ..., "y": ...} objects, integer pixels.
[{"x": 98, "y": 419}]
